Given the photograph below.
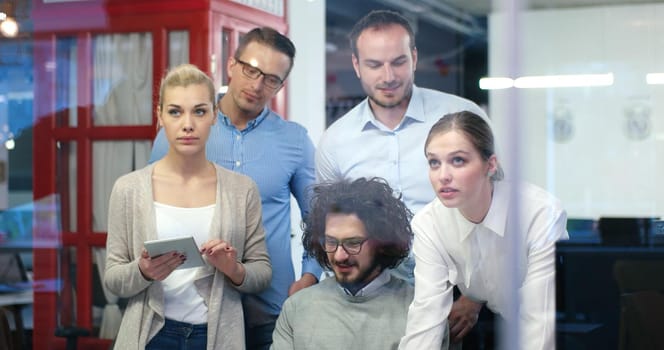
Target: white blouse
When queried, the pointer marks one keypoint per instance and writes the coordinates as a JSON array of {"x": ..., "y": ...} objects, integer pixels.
[
  {"x": 181, "y": 299},
  {"x": 450, "y": 250}
]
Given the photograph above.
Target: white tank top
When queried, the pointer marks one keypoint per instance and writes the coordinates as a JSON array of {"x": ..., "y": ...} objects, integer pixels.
[{"x": 181, "y": 299}]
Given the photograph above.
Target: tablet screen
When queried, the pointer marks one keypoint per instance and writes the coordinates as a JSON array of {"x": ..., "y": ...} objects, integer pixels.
[{"x": 185, "y": 245}]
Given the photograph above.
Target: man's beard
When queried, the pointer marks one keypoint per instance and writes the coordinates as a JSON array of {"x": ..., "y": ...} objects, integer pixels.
[
  {"x": 360, "y": 281},
  {"x": 406, "y": 96}
]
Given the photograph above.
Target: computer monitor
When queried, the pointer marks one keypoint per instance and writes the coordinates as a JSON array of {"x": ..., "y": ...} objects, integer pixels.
[
  {"x": 13, "y": 276},
  {"x": 625, "y": 231},
  {"x": 12, "y": 269}
]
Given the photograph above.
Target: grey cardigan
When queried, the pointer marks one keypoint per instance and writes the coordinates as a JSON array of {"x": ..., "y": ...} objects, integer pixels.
[{"x": 131, "y": 221}]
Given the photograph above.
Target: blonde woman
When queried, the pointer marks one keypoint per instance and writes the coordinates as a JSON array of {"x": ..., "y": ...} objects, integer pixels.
[{"x": 184, "y": 194}]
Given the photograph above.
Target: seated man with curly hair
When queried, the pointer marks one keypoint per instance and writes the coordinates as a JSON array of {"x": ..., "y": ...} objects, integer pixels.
[{"x": 358, "y": 230}]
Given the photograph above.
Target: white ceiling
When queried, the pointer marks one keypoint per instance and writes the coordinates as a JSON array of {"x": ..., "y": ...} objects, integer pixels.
[
  {"x": 484, "y": 7},
  {"x": 462, "y": 16},
  {"x": 343, "y": 13}
]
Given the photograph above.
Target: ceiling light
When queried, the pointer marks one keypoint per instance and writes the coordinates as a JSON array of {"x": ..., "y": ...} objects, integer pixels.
[
  {"x": 554, "y": 81},
  {"x": 655, "y": 78},
  {"x": 10, "y": 144},
  {"x": 557, "y": 81},
  {"x": 496, "y": 83},
  {"x": 9, "y": 27}
]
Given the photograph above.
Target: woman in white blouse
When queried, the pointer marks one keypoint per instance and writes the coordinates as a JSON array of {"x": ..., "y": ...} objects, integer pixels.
[{"x": 463, "y": 237}]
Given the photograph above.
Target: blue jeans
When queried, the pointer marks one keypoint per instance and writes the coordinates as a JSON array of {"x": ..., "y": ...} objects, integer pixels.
[
  {"x": 179, "y": 336},
  {"x": 259, "y": 337}
]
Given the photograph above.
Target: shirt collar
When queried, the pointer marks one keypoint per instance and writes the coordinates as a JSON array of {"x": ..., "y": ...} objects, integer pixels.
[
  {"x": 250, "y": 125},
  {"x": 416, "y": 106},
  {"x": 415, "y": 112},
  {"x": 373, "y": 286},
  {"x": 495, "y": 219}
]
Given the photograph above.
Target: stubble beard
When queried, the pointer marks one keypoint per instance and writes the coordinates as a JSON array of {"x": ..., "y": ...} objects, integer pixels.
[
  {"x": 247, "y": 108},
  {"x": 389, "y": 105}
]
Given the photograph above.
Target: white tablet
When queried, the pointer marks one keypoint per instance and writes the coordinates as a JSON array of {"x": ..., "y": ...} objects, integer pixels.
[{"x": 183, "y": 245}]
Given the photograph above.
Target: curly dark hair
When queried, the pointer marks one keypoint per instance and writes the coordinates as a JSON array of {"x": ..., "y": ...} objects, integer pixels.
[{"x": 385, "y": 217}]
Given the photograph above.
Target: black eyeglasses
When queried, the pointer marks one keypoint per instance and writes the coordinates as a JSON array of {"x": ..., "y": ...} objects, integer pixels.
[
  {"x": 272, "y": 81},
  {"x": 352, "y": 246}
]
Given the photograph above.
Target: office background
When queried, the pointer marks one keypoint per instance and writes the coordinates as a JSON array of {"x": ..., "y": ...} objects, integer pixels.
[{"x": 598, "y": 148}]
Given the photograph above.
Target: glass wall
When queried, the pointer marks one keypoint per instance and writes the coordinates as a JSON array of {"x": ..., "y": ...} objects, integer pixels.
[
  {"x": 574, "y": 95},
  {"x": 581, "y": 106}
]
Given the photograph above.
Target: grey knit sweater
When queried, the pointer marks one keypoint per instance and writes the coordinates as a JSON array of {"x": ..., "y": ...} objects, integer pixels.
[{"x": 324, "y": 317}]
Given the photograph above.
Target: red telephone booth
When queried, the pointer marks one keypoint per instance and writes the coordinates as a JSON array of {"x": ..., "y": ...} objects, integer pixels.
[{"x": 97, "y": 69}]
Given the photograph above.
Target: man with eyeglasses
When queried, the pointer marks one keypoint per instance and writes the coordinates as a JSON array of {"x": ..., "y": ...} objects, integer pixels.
[
  {"x": 358, "y": 230},
  {"x": 277, "y": 154}
]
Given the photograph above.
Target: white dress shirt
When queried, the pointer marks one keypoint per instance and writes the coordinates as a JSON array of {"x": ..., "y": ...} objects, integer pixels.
[{"x": 450, "y": 250}]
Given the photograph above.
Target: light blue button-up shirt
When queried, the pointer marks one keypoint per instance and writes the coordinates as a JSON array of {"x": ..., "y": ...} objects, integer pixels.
[
  {"x": 358, "y": 145},
  {"x": 279, "y": 156}
]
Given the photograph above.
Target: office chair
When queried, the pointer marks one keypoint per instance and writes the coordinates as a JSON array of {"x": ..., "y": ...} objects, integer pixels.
[
  {"x": 72, "y": 333},
  {"x": 641, "y": 303}
]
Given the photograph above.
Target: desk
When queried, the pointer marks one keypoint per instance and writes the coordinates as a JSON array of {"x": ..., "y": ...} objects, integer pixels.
[
  {"x": 20, "y": 298},
  {"x": 27, "y": 244},
  {"x": 576, "y": 327}
]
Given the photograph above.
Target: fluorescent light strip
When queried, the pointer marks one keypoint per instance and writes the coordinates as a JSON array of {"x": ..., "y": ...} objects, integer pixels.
[
  {"x": 496, "y": 83},
  {"x": 556, "y": 81},
  {"x": 548, "y": 81},
  {"x": 655, "y": 78}
]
